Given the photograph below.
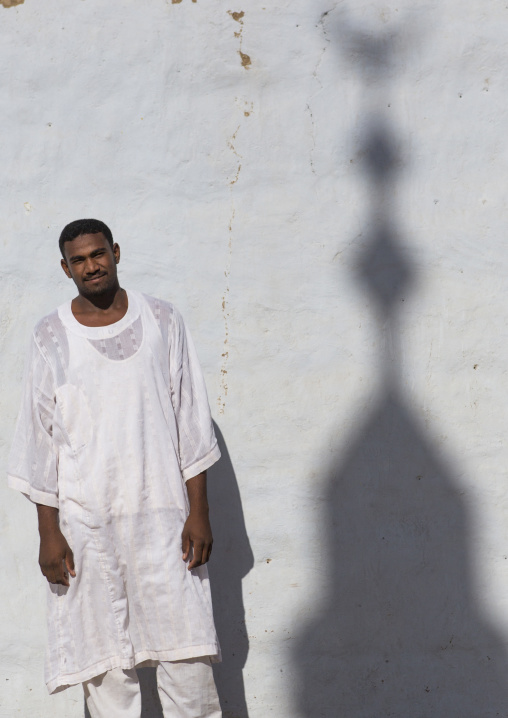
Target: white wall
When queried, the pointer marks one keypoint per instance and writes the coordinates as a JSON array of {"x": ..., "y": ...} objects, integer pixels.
[{"x": 246, "y": 164}]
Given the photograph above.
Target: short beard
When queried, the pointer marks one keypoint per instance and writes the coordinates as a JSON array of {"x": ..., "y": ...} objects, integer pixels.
[{"x": 98, "y": 291}]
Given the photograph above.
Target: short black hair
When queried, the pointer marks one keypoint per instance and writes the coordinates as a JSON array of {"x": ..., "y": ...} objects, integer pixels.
[{"x": 83, "y": 226}]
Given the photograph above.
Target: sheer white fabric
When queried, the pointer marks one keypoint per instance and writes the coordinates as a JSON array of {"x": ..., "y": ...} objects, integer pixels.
[
  {"x": 113, "y": 421},
  {"x": 124, "y": 345}
]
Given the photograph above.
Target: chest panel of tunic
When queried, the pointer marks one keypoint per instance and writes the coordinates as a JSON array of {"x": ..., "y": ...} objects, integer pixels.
[
  {"x": 116, "y": 413},
  {"x": 123, "y": 345}
]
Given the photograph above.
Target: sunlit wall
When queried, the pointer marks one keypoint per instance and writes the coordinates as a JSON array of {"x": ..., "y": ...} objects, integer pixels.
[{"x": 319, "y": 186}]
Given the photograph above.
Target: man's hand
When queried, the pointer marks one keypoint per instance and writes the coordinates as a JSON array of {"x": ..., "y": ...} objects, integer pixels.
[
  {"x": 55, "y": 556},
  {"x": 197, "y": 531}
]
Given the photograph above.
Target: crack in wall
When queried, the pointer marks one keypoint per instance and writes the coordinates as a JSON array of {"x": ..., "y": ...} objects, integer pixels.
[
  {"x": 225, "y": 313},
  {"x": 322, "y": 23},
  {"x": 315, "y": 75},
  {"x": 313, "y": 138},
  {"x": 238, "y": 17},
  {"x": 231, "y": 145},
  {"x": 221, "y": 400}
]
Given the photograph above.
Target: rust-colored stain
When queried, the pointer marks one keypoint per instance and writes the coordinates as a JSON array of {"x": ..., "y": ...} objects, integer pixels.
[
  {"x": 232, "y": 148},
  {"x": 246, "y": 61},
  {"x": 176, "y": 2},
  {"x": 11, "y": 3},
  {"x": 233, "y": 139},
  {"x": 235, "y": 180},
  {"x": 248, "y": 109},
  {"x": 238, "y": 17}
]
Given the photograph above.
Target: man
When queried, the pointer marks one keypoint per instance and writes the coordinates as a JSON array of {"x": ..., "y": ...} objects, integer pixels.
[{"x": 112, "y": 444}]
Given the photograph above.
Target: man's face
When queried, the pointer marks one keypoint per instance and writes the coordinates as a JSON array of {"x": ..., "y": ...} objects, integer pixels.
[{"x": 91, "y": 262}]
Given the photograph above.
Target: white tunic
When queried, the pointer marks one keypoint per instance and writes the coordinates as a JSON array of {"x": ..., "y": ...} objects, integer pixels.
[{"x": 114, "y": 420}]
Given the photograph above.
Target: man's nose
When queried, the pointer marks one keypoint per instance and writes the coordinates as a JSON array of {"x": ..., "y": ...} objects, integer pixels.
[{"x": 91, "y": 265}]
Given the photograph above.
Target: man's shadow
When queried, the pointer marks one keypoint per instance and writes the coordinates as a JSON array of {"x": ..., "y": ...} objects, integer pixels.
[
  {"x": 232, "y": 559},
  {"x": 231, "y": 562}
]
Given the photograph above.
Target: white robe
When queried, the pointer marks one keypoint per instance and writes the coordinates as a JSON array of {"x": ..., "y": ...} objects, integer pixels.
[{"x": 113, "y": 421}]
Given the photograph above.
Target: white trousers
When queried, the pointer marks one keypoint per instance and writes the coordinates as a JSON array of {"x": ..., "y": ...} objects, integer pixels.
[{"x": 186, "y": 690}]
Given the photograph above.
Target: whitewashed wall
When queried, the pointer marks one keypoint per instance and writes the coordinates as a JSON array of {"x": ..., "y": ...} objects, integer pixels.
[{"x": 262, "y": 165}]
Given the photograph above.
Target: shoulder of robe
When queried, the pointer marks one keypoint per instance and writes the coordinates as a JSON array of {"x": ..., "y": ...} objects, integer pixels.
[
  {"x": 49, "y": 334},
  {"x": 46, "y": 326},
  {"x": 165, "y": 312}
]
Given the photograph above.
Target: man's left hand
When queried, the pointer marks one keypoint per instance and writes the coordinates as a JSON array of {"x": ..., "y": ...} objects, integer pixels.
[{"x": 197, "y": 534}]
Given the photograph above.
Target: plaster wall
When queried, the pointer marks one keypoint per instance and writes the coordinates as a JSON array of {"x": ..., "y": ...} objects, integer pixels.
[{"x": 320, "y": 188}]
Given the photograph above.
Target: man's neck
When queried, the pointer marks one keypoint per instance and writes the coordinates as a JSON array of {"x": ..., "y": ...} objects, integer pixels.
[{"x": 100, "y": 310}]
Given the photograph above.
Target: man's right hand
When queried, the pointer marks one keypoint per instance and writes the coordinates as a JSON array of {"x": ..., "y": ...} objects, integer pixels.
[{"x": 55, "y": 556}]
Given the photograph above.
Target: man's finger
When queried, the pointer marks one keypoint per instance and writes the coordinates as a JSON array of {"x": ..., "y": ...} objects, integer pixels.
[
  {"x": 63, "y": 577},
  {"x": 56, "y": 573},
  {"x": 209, "y": 553},
  {"x": 205, "y": 554},
  {"x": 57, "y": 578},
  {"x": 69, "y": 562},
  {"x": 198, "y": 554},
  {"x": 185, "y": 545}
]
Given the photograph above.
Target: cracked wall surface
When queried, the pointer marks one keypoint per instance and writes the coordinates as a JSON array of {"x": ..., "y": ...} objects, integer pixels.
[{"x": 248, "y": 157}]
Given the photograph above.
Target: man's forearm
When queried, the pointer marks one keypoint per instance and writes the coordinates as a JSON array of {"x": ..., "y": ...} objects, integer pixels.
[
  {"x": 48, "y": 519},
  {"x": 196, "y": 491}
]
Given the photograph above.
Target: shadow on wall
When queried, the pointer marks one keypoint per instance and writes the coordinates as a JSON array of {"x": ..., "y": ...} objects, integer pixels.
[
  {"x": 232, "y": 559},
  {"x": 399, "y": 633},
  {"x": 396, "y": 630}
]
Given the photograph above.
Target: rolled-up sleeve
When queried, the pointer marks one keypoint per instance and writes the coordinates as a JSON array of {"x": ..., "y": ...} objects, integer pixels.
[{"x": 197, "y": 443}]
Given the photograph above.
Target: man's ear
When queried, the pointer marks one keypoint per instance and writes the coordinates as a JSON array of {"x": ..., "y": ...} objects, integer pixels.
[
  {"x": 116, "y": 252},
  {"x": 64, "y": 266}
]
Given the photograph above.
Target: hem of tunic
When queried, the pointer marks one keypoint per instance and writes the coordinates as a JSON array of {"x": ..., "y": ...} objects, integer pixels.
[
  {"x": 34, "y": 495},
  {"x": 62, "y": 682},
  {"x": 203, "y": 464}
]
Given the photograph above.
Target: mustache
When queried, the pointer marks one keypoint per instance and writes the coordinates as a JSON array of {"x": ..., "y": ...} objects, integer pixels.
[{"x": 96, "y": 275}]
